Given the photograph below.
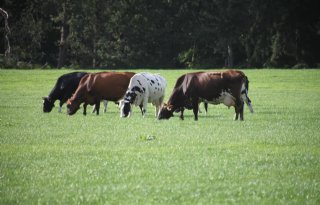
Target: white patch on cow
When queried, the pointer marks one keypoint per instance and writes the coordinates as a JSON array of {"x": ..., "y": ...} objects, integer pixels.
[
  {"x": 121, "y": 107},
  {"x": 225, "y": 97},
  {"x": 243, "y": 88}
]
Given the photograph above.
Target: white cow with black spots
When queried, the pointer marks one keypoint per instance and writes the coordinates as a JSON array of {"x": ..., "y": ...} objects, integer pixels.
[{"x": 143, "y": 88}]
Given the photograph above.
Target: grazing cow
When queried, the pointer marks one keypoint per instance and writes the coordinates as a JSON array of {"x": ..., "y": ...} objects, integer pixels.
[
  {"x": 65, "y": 86},
  {"x": 228, "y": 87},
  {"x": 63, "y": 90},
  {"x": 95, "y": 87},
  {"x": 143, "y": 88}
]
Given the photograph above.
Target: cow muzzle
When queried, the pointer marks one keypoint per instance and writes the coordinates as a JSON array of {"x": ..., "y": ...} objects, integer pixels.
[
  {"x": 165, "y": 114},
  {"x": 125, "y": 109},
  {"x": 71, "y": 109}
]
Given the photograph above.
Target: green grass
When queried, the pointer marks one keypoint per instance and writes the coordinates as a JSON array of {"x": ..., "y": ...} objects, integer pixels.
[{"x": 273, "y": 157}]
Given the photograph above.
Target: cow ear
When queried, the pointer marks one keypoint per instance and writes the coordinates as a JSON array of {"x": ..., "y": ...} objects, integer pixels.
[
  {"x": 169, "y": 107},
  {"x": 166, "y": 106},
  {"x": 46, "y": 99}
]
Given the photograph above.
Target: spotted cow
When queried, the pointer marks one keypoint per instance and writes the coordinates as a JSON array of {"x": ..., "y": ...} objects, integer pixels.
[{"x": 143, "y": 88}]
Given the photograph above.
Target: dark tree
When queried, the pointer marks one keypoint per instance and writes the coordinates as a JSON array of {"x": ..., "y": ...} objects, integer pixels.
[{"x": 163, "y": 33}]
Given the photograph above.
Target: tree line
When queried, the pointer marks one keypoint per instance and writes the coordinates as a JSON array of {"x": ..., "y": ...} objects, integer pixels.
[{"x": 161, "y": 33}]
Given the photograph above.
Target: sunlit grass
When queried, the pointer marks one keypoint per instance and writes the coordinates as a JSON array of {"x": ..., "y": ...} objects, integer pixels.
[{"x": 273, "y": 157}]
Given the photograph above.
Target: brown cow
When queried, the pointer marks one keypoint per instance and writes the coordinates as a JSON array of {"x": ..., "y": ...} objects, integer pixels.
[
  {"x": 95, "y": 87},
  {"x": 228, "y": 87}
]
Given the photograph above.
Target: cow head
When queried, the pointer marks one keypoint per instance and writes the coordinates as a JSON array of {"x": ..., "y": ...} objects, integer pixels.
[
  {"x": 72, "y": 106},
  {"x": 166, "y": 112},
  {"x": 125, "y": 108},
  {"x": 47, "y": 104},
  {"x": 125, "y": 104}
]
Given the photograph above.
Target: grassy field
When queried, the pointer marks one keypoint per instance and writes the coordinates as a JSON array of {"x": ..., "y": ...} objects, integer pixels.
[{"x": 273, "y": 157}]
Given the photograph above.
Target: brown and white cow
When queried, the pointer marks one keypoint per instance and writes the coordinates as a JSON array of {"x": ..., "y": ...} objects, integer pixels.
[
  {"x": 95, "y": 87},
  {"x": 228, "y": 87}
]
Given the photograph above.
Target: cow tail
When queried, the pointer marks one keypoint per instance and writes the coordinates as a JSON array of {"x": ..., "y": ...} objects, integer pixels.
[{"x": 244, "y": 93}]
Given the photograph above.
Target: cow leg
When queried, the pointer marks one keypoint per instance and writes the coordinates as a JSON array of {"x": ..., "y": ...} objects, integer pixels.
[
  {"x": 85, "y": 109},
  {"x": 159, "y": 104},
  {"x": 206, "y": 107},
  {"x": 195, "y": 105},
  {"x": 181, "y": 114},
  {"x": 94, "y": 109},
  {"x": 60, "y": 106},
  {"x": 145, "y": 103},
  {"x": 105, "y": 103},
  {"x": 239, "y": 110},
  {"x": 97, "y": 106},
  {"x": 157, "y": 109},
  {"x": 141, "y": 108},
  {"x": 236, "y": 116}
]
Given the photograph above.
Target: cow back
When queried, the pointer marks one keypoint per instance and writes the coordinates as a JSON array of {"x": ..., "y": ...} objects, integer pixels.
[
  {"x": 209, "y": 85},
  {"x": 65, "y": 86},
  {"x": 106, "y": 85}
]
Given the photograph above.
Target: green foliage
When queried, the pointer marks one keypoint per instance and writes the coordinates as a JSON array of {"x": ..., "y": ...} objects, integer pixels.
[
  {"x": 142, "y": 33},
  {"x": 273, "y": 157},
  {"x": 187, "y": 57}
]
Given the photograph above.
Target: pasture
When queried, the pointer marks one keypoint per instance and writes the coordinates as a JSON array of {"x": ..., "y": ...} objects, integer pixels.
[{"x": 272, "y": 157}]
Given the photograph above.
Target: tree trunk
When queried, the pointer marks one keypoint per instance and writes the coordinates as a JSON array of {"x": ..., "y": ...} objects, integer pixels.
[
  {"x": 193, "y": 53},
  {"x": 297, "y": 47},
  {"x": 63, "y": 36},
  {"x": 7, "y": 30},
  {"x": 230, "y": 57},
  {"x": 94, "y": 63}
]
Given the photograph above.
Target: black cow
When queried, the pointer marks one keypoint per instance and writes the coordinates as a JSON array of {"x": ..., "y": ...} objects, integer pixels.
[
  {"x": 65, "y": 86},
  {"x": 229, "y": 87},
  {"x": 63, "y": 90}
]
